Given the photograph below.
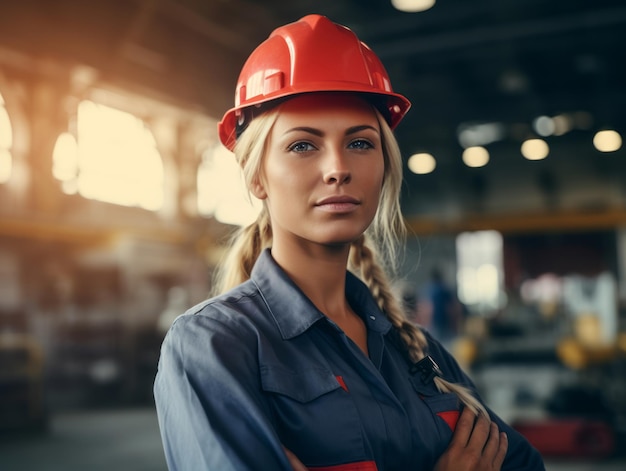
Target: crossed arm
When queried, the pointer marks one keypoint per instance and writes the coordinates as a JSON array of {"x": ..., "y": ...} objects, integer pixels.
[{"x": 477, "y": 445}]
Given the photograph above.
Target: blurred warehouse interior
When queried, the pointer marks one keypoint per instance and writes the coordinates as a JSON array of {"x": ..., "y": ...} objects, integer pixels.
[{"x": 116, "y": 198}]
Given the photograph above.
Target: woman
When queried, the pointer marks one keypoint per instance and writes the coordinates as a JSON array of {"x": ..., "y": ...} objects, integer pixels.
[{"x": 298, "y": 364}]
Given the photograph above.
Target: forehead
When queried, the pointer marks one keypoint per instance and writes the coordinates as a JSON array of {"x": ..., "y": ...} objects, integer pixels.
[{"x": 321, "y": 107}]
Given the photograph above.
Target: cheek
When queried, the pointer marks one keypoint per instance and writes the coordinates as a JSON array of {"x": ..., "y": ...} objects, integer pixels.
[
  {"x": 378, "y": 175},
  {"x": 378, "y": 179},
  {"x": 282, "y": 185}
]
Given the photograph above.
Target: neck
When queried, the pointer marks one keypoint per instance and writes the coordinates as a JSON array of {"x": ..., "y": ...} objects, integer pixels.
[{"x": 320, "y": 272}]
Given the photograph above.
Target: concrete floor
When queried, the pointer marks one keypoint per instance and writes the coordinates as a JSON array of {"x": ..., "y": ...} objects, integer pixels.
[
  {"x": 118, "y": 440},
  {"x": 128, "y": 440}
]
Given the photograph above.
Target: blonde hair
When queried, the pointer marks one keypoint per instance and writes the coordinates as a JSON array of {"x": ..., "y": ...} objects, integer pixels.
[{"x": 381, "y": 240}]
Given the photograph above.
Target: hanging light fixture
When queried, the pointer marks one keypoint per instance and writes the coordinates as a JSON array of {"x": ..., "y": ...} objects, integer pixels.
[{"x": 412, "y": 6}]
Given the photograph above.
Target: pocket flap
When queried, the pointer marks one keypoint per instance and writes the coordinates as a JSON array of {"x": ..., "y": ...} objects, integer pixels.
[{"x": 302, "y": 386}]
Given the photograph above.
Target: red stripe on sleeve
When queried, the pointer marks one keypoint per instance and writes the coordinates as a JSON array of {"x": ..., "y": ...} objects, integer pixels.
[{"x": 360, "y": 466}]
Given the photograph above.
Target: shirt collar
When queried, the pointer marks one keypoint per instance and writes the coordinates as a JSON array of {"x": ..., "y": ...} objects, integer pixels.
[{"x": 294, "y": 313}]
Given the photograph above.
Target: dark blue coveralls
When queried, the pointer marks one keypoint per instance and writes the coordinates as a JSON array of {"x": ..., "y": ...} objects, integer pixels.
[{"x": 260, "y": 367}]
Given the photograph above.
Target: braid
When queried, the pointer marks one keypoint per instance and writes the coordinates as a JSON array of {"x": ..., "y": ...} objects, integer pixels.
[
  {"x": 247, "y": 244},
  {"x": 375, "y": 278},
  {"x": 363, "y": 261}
]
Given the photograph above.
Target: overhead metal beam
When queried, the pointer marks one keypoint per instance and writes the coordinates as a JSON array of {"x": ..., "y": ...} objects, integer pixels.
[{"x": 520, "y": 223}]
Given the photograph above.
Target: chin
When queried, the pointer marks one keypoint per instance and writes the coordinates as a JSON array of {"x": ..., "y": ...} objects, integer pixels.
[
  {"x": 340, "y": 239},
  {"x": 339, "y": 234}
]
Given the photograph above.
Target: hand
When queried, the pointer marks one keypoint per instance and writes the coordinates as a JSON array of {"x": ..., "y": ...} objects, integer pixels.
[
  {"x": 295, "y": 463},
  {"x": 477, "y": 445}
]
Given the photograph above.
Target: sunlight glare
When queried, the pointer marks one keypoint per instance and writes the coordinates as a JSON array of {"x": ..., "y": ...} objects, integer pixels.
[
  {"x": 6, "y": 164},
  {"x": 118, "y": 159},
  {"x": 6, "y": 130},
  {"x": 65, "y": 157},
  {"x": 221, "y": 189},
  {"x": 6, "y": 142}
]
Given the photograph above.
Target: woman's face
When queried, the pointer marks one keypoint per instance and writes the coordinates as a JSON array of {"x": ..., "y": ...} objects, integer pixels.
[{"x": 323, "y": 169}]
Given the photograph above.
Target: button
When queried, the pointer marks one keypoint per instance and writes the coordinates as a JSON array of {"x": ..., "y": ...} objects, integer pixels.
[{"x": 373, "y": 318}]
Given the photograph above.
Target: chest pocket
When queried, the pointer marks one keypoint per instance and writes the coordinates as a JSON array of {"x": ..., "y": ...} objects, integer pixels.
[
  {"x": 445, "y": 407},
  {"x": 314, "y": 415},
  {"x": 302, "y": 385}
]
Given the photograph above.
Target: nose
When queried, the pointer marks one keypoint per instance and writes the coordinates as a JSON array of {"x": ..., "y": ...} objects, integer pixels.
[{"x": 337, "y": 170}]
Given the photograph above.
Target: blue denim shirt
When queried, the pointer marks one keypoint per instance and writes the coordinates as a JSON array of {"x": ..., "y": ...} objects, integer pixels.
[{"x": 260, "y": 367}]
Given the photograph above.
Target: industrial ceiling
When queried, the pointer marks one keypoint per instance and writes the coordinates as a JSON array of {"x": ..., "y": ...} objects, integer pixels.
[{"x": 463, "y": 64}]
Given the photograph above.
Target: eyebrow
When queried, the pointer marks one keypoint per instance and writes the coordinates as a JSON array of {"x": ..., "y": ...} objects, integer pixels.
[{"x": 318, "y": 132}]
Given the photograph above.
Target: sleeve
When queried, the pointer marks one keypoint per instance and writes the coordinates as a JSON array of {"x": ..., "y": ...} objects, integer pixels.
[
  {"x": 210, "y": 408},
  {"x": 521, "y": 455}
]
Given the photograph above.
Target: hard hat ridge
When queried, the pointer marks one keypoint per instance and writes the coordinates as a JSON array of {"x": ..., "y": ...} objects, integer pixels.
[{"x": 310, "y": 55}]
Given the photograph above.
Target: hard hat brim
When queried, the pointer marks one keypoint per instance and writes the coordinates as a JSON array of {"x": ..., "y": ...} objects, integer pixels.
[{"x": 392, "y": 106}]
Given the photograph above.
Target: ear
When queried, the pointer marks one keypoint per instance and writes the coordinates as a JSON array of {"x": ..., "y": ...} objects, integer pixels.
[{"x": 258, "y": 190}]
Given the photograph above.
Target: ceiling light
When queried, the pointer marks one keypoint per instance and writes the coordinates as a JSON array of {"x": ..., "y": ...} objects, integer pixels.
[
  {"x": 535, "y": 149},
  {"x": 562, "y": 124},
  {"x": 412, "y": 6},
  {"x": 475, "y": 156},
  {"x": 421, "y": 164},
  {"x": 481, "y": 134},
  {"x": 607, "y": 141},
  {"x": 544, "y": 126}
]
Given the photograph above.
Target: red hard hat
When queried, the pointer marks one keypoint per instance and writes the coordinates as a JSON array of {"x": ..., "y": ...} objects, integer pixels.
[{"x": 312, "y": 54}]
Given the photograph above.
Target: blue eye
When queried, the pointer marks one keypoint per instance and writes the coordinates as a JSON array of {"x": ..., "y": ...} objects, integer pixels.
[
  {"x": 301, "y": 147},
  {"x": 361, "y": 144}
]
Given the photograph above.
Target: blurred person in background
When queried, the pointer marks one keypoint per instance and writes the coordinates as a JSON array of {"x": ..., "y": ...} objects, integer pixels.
[
  {"x": 305, "y": 359},
  {"x": 410, "y": 303},
  {"x": 441, "y": 308}
]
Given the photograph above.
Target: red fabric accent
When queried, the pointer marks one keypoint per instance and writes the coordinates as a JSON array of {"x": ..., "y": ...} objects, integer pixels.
[
  {"x": 342, "y": 383},
  {"x": 569, "y": 437},
  {"x": 450, "y": 417},
  {"x": 360, "y": 466}
]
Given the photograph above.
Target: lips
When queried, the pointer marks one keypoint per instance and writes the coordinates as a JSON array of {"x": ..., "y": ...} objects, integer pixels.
[
  {"x": 337, "y": 200},
  {"x": 338, "y": 203}
]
